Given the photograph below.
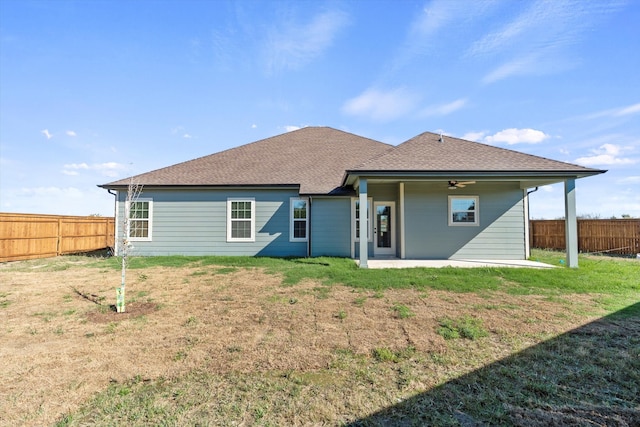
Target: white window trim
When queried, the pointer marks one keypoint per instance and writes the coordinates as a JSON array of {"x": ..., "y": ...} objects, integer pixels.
[
  {"x": 292, "y": 201},
  {"x": 149, "y": 220},
  {"x": 230, "y": 220},
  {"x": 476, "y": 211},
  {"x": 353, "y": 218}
]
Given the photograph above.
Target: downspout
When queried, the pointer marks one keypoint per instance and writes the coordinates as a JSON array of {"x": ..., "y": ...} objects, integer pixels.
[
  {"x": 115, "y": 220},
  {"x": 529, "y": 210}
]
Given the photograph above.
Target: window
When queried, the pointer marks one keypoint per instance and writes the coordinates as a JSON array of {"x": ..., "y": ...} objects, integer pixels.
[
  {"x": 140, "y": 219},
  {"x": 463, "y": 210},
  {"x": 299, "y": 219},
  {"x": 241, "y": 221},
  {"x": 356, "y": 219}
]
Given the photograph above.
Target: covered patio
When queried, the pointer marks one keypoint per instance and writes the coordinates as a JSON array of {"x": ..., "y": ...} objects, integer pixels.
[{"x": 455, "y": 200}]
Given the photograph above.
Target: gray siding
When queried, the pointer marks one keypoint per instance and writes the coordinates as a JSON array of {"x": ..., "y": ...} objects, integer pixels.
[
  {"x": 500, "y": 234},
  {"x": 388, "y": 192},
  {"x": 384, "y": 192},
  {"x": 194, "y": 222},
  {"x": 331, "y": 227}
]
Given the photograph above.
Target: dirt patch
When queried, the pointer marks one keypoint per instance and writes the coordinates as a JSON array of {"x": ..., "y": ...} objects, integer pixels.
[
  {"x": 59, "y": 348},
  {"x": 133, "y": 310}
]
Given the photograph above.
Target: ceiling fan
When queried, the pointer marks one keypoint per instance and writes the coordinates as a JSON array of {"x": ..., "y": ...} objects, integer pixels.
[{"x": 459, "y": 184}]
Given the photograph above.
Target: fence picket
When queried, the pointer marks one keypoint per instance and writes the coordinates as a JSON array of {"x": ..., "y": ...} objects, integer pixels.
[
  {"x": 615, "y": 236},
  {"x": 28, "y": 236}
]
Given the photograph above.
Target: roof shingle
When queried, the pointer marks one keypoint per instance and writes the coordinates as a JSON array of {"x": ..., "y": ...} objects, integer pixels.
[
  {"x": 317, "y": 158},
  {"x": 430, "y": 152},
  {"x": 313, "y": 157}
]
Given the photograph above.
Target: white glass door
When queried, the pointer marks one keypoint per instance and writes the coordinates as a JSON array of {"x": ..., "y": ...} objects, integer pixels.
[{"x": 384, "y": 229}]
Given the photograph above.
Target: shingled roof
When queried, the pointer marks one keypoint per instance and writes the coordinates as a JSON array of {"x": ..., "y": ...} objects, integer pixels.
[
  {"x": 315, "y": 158},
  {"x": 430, "y": 152},
  {"x": 320, "y": 159}
]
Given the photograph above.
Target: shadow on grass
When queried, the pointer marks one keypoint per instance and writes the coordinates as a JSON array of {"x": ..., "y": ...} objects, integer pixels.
[{"x": 589, "y": 376}]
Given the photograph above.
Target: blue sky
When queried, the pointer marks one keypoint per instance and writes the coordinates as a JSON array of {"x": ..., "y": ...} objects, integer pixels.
[{"x": 94, "y": 91}]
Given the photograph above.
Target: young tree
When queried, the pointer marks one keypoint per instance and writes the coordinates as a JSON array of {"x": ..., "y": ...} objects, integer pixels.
[{"x": 133, "y": 210}]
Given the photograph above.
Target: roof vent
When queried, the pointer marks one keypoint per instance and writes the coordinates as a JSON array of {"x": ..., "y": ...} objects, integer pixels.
[{"x": 441, "y": 139}]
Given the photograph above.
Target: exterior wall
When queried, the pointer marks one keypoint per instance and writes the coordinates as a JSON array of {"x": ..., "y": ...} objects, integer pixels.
[
  {"x": 387, "y": 192},
  {"x": 384, "y": 192},
  {"x": 500, "y": 234},
  {"x": 331, "y": 227},
  {"x": 194, "y": 222}
]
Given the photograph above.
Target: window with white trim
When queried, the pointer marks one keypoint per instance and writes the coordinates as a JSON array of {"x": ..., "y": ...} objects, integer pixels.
[
  {"x": 463, "y": 210},
  {"x": 299, "y": 224},
  {"x": 355, "y": 210},
  {"x": 140, "y": 219},
  {"x": 241, "y": 220}
]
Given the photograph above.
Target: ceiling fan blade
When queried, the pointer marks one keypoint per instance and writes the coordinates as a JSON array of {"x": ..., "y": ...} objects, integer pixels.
[{"x": 466, "y": 182}]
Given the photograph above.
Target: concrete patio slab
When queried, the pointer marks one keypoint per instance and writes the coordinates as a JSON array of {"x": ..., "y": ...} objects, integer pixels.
[{"x": 462, "y": 263}]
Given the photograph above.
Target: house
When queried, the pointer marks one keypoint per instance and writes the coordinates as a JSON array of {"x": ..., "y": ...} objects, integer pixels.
[{"x": 321, "y": 191}]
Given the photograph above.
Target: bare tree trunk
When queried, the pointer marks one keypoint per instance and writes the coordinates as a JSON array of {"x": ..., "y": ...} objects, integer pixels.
[{"x": 133, "y": 192}]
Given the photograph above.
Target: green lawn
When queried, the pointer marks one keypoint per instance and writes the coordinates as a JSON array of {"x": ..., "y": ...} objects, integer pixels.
[{"x": 616, "y": 280}]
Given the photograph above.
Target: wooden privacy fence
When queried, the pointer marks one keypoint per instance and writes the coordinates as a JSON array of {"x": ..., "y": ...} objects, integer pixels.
[
  {"x": 27, "y": 236},
  {"x": 615, "y": 236}
]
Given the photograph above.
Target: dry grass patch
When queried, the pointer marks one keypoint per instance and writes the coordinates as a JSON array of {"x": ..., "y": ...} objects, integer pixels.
[{"x": 211, "y": 343}]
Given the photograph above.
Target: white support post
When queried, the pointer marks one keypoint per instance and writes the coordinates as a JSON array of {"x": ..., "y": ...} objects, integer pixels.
[
  {"x": 570, "y": 223},
  {"x": 527, "y": 224},
  {"x": 402, "y": 231},
  {"x": 364, "y": 224}
]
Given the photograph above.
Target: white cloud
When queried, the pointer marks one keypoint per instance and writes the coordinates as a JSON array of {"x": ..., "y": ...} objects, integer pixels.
[
  {"x": 109, "y": 169},
  {"x": 291, "y": 128},
  {"x": 46, "y": 133},
  {"x": 544, "y": 25},
  {"x": 630, "y": 180},
  {"x": 523, "y": 26},
  {"x": 434, "y": 16},
  {"x": 179, "y": 130},
  {"x": 631, "y": 109},
  {"x": 473, "y": 136},
  {"x": 76, "y": 166},
  {"x": 435, "y": 20},
  {"x": 293, "y": 45},
  {"x": 606, "y": 154},
  {"x": 50, "y": 192},
  {"x": 71, "y": 133},
  {"x": 537, "y": 39},
  {"x": 444, "y": 109},
  {"x": 615, "y": 112},
  {"x": 253, "y": 126},
  {"x": 517, "y": 136},
  {"x": 548, "y": 188},
  {"x": 519, "y": 66},
  {"x": 58, "y": 200},
  {"x": 381, "y": 105}
]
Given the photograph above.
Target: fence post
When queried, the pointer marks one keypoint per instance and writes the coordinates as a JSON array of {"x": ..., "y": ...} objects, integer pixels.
[{"x": 59, "y": 237}]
